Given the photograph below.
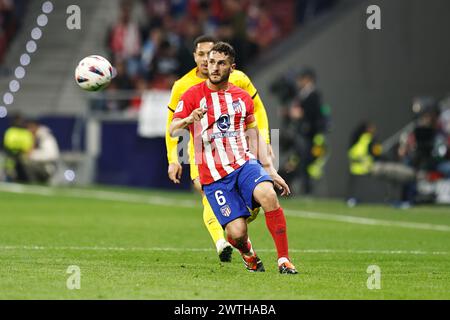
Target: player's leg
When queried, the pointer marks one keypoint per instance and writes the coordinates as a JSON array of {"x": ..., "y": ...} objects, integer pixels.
[
  {"x": 231, "y": 212},
  {"x": 224, "y": 249},
  {"x": 237, "y": 235},
  {"x": 256, "y": 186},
  {"x": 265, "y": 195}
]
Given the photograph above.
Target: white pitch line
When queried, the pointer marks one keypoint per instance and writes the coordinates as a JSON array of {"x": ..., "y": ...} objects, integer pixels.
[
  {"x": 96, "y": 248},
  {"x": 366, "y": 221},
  {"x": 167, "y": 201}
]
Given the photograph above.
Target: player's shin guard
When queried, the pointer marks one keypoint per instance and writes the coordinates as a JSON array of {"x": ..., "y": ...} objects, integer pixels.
[
  {"x": 211, "y": 222},
  {"x": 276, "y": 223}
]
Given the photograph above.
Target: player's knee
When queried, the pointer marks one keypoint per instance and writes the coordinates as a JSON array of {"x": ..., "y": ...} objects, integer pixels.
[
  {"x": 237, "y": 234},
  {"x": 237, "y": 230},
  {"x": 268, "y": 199}
]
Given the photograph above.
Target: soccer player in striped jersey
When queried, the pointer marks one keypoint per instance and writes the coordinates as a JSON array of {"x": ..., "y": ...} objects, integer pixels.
[
  {"x": 202, "y": 45},
  {"x": 220, "y": 117}
]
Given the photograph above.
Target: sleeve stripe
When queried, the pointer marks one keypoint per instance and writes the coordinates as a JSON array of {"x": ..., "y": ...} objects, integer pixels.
[
  {"x": 170, "y": 109},
  {"x": 256, "y": 93}
]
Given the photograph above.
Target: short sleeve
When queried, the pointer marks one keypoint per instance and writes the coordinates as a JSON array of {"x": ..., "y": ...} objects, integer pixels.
[
  {"x": 184, "y": 106},
  {"x": 175, "y": 96},
  {"x": 250, "y": 119},
  {"x": 249, "y": 87}
]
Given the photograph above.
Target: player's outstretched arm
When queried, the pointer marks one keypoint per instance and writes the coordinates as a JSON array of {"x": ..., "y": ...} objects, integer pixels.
[
  {"x": 182, "y": 123},
  {"x": 259, "y": 148}
]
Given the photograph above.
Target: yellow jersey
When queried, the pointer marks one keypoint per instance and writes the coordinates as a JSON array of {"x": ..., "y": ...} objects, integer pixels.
[{"x": 239, "y": 79}]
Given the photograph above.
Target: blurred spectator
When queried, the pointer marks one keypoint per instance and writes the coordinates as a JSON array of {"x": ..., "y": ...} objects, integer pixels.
[
  {"x": 41, "y": 163},
  {"x": 363, "y": 149},
  {"x": 18, "y": 142},
  {"x": 443, "y": 141},
  {"x": 165, "y": 66},
  {"x": 159, "y": 50},
  {"x": 262, "y": 29},
  {"x": 11, "y": 15},
  {"x": 136, "y": 99},
  {"x": 368, "y": 160},
  {"x": 122, "y": 80},
  {"x": 124, "y": 40},
  {"x": 205, "y": 20},
  {"x": 416, "y": 147},
  {"x": 362, "y": 153},
  {"x": 303, "y": 140},
  {"x": 285, "y": 88},
  {"x": 150, "y": 48}
]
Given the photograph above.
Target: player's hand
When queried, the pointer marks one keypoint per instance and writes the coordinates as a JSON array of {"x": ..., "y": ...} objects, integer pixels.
[
  {"x": 174, "y": 171},
  {"x": 197, "y": 114},
  {"x": 281, "y": 185},
  {"x": 279, "y": 182}
]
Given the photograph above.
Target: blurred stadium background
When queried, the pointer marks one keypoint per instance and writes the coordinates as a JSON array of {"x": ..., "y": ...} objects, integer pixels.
[
  {"x": 378, "y": 132},
  {"x": 363, "y": 76},
  {"x": 116, "y": 137}
]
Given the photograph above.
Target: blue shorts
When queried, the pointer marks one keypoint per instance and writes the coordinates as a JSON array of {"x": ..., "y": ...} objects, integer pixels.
[{"x": 232, "y": 196}]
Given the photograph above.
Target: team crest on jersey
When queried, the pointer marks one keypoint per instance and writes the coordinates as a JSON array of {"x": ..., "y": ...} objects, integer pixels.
[
  {"x": 223, "y": 123},
  {"x": 225, "y": 210},
  {"x": 180, "y": 106},
  {"x": 237, "y": 106}
]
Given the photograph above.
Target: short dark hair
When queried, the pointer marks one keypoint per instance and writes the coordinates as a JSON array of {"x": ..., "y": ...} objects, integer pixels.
[
  {"x": 204, "y": 38},
  {"x": 225, "y": 48}
]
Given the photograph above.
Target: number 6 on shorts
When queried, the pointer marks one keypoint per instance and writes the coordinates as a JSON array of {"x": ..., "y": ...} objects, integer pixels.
[{"x": 220, "y": 198}]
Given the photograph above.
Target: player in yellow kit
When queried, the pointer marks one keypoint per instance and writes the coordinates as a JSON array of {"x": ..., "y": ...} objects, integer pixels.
[{"x": 202, "y": 46}]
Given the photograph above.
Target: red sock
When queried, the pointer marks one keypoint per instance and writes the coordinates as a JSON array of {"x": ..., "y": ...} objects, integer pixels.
[
  {"x": 276, "y": 223},
  {"x": 242, "y": 245}
]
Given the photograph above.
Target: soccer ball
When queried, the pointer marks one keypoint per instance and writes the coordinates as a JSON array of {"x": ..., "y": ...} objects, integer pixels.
[{"x": 93, "y": 73}]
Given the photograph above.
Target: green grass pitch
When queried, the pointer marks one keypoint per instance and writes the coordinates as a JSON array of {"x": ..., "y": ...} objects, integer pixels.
[{"x": 137, "y": 244}]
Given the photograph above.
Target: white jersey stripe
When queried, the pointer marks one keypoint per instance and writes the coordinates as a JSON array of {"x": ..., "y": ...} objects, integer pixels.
[
  {"x": 207, "y": 149},
  {"x": 220, "y": 149},
  {"x": 243, "y": 138},
  {"x": 233, "y": 142}
]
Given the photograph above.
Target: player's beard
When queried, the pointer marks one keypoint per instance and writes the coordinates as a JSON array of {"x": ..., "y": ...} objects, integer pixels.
[{"x": 222, "y": 79}]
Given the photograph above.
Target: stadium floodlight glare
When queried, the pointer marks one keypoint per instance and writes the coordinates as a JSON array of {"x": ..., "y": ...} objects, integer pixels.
[
  {"x": 25, "y": 59},
  {"x": 14, "y": 86},
  {"x": 47, "y": 7},
  {"x": 3, "y": 112},
  {"x": 31, "y": 46},
  {"x": 19, "y": 72},
  {"x": 69, "y": 175},
  {"x": 36, "y": 33},
  {"x": 42, "y": 20},
  {"x": 8, "y": 98}
]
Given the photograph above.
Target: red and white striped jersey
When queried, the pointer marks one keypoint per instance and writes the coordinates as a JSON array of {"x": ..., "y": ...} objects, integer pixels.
[{"x": 219, "y": 137}]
